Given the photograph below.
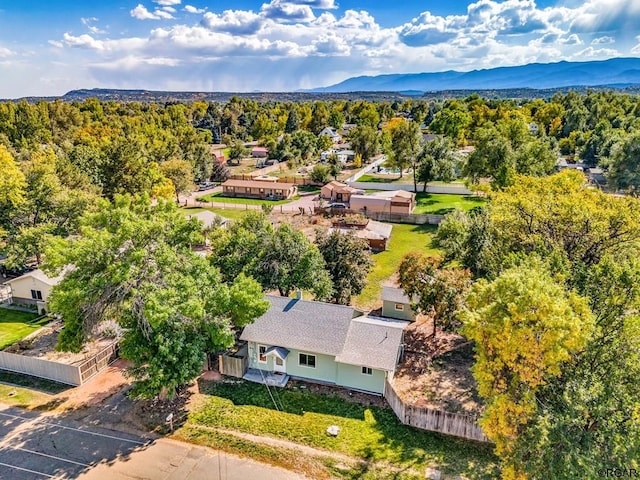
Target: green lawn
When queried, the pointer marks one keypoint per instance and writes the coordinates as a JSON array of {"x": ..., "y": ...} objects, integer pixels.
[
  {"x": 230, "y": 213},
  {"x": 441, "y": 204},
  {"x": 404, "y": 239},
  {"x": 15, "y": 325},
  {"x": 368, "y": 433},
  {"x": 220, "y": 198},
  {"x": 387, "y": 178}
]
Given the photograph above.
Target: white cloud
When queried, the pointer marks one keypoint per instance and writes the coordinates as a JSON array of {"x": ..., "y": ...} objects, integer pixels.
[
  {"x": 192, "y": 9},
  {"x": 283, "y": 10},
  {"x": 591, "y": 53},
  {"x": 603, "y": 40},
  {"x": 89, "y": 23},
  {"x": 168, "y": 2},
  {"x": 141, "y": 13},
  {"x": 238, "y": 22},
  {"x": 168, "y": 9},
  {"x": 5, "y": 52}
]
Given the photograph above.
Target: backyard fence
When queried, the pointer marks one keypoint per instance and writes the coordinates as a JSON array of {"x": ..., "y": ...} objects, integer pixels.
[
  {"x": 455, "y": 424},
  {"x": 99, "y": 361},
  {"x": 411, "y": 218},
  {"x": 452, "y": 189},
  {"x": 234, "y": 365},
  {"x": 58, "y": 372}
]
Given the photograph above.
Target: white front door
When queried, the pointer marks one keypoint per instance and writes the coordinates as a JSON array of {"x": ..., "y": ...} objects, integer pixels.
[{"x": 279, "y": 365}]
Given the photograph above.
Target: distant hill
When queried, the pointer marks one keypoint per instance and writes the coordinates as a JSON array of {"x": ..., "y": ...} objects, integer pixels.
[{"x": 616, "y": 72}]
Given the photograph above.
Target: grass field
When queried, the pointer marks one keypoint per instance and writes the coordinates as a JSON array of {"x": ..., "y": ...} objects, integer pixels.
[
  {"x": 220, "y": 198},
  {"x": 368, "y": 433},
  {"x": 230, "y": 213},
  {"x": 404, "y": 239},
  {"x": 387, "y": 178},
  {"x": 441, "y": 204},
  {"x": 15, "y": 325}
]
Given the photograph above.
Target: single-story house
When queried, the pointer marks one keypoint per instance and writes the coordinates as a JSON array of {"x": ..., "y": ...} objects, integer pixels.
[
  {"x": 338, "y": 192},
  {"x": 258, "y": 189},
  {"x": 346, "y": 155},
  {"x": 377, "y": 234},
  {"x": 325, "y": 343},
  {"x": 396, "y": 304},
  {"x": 33, "y": 288},
  {"x": 209, "y": 219},
  {"x": 331, "y": 133},
  {"x": 259, "y": 152},
  {"x": 395, "y": 201}
]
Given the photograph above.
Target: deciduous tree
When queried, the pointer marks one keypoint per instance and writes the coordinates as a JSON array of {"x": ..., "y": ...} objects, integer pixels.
[{"x": 348, "y": 261}]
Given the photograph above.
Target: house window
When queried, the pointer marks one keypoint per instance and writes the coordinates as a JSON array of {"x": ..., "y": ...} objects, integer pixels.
[
  {"x": 262, "y": 350},
  {"x": 36, "y": 294},
  {"x": 399, "y": 307},
  {"x": 367, "y": 371},
  {"x": 306, "y": 360}
]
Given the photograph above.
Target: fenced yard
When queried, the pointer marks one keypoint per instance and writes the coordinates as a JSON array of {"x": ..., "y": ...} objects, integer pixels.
[
  {"x": 17, "y": 324},
  {"x": 455, "y": 424}
]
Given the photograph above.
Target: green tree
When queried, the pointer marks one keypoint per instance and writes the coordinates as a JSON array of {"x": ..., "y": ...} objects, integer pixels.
[
  {"x": 12, "y": 187},
  {"x": 180, "y": 173},
  {"x": 335, "y": 165},
  {"x": 133, "y": 264},
  {"x": 624, "y": 165},
  {"x": 237, "y": 151},
  {"x": 436, "y": 161},
  {"x": 434, "y": 291},
  {"x": 293, "y": 123},
  {"x": 348, "y": 261},
  {"x": 526, "y": 327},
  {"x": 319, "y": 174},
  {"x": 364, "y": 141},
  {"x": 289, "y": 261},
  {"x": 405, "y": 145}
]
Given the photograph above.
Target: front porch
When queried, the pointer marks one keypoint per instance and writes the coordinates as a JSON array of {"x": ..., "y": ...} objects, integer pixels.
[{"x": 272, "y": 379}]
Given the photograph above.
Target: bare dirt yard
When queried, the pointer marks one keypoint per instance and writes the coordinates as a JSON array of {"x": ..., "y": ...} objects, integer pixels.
[{"x": 436, "y": 370}]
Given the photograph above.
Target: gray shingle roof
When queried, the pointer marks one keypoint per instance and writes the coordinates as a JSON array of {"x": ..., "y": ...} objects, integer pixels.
[
  {"x": 328, "y": 329},
  {"x": 373, "y": 342},
  {"x": 301, "y": 324},
  {"x": 396, "y": 295}
]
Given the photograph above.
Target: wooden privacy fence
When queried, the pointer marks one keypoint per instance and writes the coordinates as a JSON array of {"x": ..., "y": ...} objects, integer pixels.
[
  {"x": 234, "y": 365},
  {"x": 59, "y": 372},
  {"x": 411, "y": 218},
  {"x": 99, "y": 361},
  {"x": 455, "y": 424}
]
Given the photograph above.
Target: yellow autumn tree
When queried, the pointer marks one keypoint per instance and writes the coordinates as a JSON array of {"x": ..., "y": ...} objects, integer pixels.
[{"x": 526, "y": 326}]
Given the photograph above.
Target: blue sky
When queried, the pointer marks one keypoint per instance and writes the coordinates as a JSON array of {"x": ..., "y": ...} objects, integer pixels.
[{"x": 48, "y": 47}]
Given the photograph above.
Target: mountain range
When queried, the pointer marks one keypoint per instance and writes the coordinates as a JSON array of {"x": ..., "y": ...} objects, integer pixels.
[{"x": 615, "y": 72}]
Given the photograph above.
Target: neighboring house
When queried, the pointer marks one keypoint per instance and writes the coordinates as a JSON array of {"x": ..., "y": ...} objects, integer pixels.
[
  {"x": 346, "y": 155},
  {"x": 325, "y": 343},
  {"x": 33, "y": 288},
  {"x": 596, "y": 176},
  {"x": 258, "y": 189},
  {"x": 259, "y": 152},
  {"x": 331, "y": 133},
  {"x": 377, "y": 234},
  {"x": 395, "y": 304},
  {"x": 209, "y": 219},
  {"x": 396, "y": 201},
  {"x": 338, "y": 192}
]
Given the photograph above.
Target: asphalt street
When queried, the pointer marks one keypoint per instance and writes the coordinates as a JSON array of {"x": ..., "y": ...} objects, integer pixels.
[{"x": 36, "y": 446}]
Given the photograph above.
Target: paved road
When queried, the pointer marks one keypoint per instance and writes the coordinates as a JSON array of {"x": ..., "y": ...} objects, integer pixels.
[{"x": 34, "y": 446}]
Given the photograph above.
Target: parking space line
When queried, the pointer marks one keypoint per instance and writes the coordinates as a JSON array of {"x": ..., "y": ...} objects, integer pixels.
[
  {"x": 112, "y": 437},
  {"x": 25, "y": 470},
  {"x": 49, "y": 456}
]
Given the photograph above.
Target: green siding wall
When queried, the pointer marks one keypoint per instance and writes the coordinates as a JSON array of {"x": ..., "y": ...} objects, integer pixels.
[
  {"x": 351, "y": 376},
  {"x": 389, "y": 310},
  {"x": 253, "y": 358},
  {"x": 325, "y": 370}
]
